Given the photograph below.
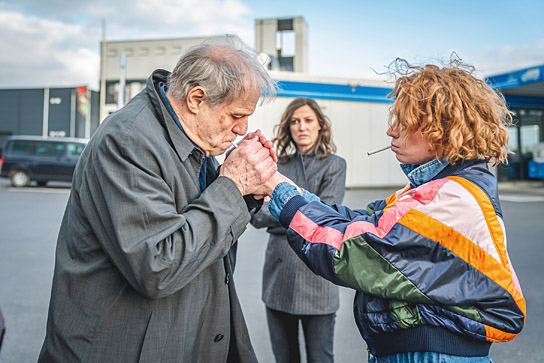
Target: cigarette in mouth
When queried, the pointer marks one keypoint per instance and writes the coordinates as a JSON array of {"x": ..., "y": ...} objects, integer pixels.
[{"x": 378, "y": 150}]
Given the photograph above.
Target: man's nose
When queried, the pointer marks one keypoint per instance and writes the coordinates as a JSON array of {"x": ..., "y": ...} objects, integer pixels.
[{"x": 241, "y": 128}]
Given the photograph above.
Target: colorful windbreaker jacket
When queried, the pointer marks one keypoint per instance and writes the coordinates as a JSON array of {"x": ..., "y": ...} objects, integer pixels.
[{"x": 429, "y": 264}]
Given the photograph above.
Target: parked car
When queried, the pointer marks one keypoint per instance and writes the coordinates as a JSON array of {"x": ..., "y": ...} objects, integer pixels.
[{"x": 43, "y": 159}]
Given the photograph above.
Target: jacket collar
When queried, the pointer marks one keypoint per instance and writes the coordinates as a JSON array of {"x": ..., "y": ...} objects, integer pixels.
[
  {"x": 421, "y": 174},
  {"x": 181, "y": 143}
]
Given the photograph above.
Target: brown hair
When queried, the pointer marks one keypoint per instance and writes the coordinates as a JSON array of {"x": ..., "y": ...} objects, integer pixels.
[
  {"x": 284, "y": 143},
  {"x": 463, "y": 118}
]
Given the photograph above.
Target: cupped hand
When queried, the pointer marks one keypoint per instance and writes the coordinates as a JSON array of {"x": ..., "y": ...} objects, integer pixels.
[
  {"x": 264, "y": 141},
  {"x": 249, "y": 165}
]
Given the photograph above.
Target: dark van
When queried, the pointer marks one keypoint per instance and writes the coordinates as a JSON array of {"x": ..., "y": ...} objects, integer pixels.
[{"x": 28, "y": 158}]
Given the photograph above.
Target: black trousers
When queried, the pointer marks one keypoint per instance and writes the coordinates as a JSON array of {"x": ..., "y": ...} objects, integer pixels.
[{"x": 318, "y": 336}]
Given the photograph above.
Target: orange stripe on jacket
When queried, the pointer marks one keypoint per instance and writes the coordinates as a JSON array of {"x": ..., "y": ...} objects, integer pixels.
[
  {"x": 495, "y": 228},
  {"x": 497, "y": 336},
  {"x": 401, "y": 203},
  {"x": 466, "y": 250}
]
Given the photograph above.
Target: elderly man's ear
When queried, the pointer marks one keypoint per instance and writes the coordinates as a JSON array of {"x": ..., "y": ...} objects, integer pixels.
[{"x": 195, "y": 99}]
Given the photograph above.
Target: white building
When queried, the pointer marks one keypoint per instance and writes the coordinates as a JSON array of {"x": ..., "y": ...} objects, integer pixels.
[
  {"x": 131, "y": 62},
  {"x": 285, "y": 41},
  {"x": 357, "y": 108}
]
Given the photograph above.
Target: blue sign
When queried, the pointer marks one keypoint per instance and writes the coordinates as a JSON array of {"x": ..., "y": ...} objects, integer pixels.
[{"x": 518, "y": 78}]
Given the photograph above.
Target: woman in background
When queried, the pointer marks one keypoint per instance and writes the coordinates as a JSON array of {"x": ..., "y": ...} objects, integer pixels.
[{"x": 291, "y": 292}]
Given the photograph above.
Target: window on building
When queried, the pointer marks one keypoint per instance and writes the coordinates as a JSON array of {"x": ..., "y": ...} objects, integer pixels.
[
  {"x": 531, "y": 129},
  {"x": 525, "y": 134},
  {"x": 286, "y": 64},
  {"x": 160, "y": 50},
  {"x": 132, "y": 88},
  {"x": 513, "y": 139},
  {"x": 285, "y": 24},
  {"x": 112, "y": 89},
  {"x": 176, "y": 49},
  {"x": 530, "y": 137},
  {"x": 285, "y": 44},
  {"x": 112, "y": 53}
]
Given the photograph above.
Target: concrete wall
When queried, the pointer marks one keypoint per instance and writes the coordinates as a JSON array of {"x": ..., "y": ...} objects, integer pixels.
[
  {"x": 142, "y": 58},
  {"x": 266, "y": 33}
]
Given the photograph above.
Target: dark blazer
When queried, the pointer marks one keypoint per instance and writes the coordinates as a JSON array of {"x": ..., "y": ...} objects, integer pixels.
[
  {"x": 140, "y": 273},
  {"x": 288, "y": 284}
]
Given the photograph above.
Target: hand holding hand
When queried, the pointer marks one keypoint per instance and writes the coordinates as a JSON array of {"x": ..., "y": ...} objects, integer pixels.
[
  {"x": 267, "y": 188},
  {"x": 250, "y": 164}
]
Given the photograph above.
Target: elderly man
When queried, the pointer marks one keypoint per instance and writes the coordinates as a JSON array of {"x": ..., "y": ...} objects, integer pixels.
[{"x": 145, "y": 253}]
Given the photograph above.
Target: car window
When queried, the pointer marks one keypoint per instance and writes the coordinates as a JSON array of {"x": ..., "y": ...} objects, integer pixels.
[
  {"x": 48, "y": 148},
  {"x": 74, "y": 150},
  {"x": 22, "y": 148}
]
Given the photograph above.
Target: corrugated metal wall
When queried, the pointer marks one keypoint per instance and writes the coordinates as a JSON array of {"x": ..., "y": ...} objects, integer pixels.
[{"x": 22, "y": 112}]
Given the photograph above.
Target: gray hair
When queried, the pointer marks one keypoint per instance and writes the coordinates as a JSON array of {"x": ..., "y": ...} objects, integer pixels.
[{"x": 223, "y": 68}]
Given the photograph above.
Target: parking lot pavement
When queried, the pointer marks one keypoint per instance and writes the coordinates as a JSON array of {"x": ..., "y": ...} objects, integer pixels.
[
  {"x": 29, "y": 223},
  {"x": 527, "y": 191},
  {"x": 348, "y": 345},
  {"x": 530, "y": 187}
]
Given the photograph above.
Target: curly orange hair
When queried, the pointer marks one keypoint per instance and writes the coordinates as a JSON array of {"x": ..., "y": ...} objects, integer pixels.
[{"x": 462, "y": 118}]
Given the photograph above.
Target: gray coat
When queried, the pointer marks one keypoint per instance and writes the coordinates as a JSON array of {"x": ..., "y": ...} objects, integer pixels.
[
  {"x": 288, "y": 284},
  {"x": 140, "y": 274}
]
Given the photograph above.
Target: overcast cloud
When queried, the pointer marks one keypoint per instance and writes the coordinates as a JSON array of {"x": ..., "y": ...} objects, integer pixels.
[
  {"x": 51, "y": 43},
  {"x": 509, "y": 58},
  {"x": 56, "y": 43}
]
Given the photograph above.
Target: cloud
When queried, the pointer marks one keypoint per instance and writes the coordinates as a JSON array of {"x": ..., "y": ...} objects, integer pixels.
[
  {"x": 37, "y": 52},
  {"x": 507, "y": 58},
  {"x": 141, "y": 15},
  {"x": 488, "y": 60},
  {"x": 136, "y": 19},
  {"x": 56, "y": 42}
]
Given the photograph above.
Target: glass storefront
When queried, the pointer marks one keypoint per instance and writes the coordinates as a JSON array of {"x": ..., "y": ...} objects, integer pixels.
[
  {"x": 524, "y": 94},
  {"x": 524, "y": 136}
]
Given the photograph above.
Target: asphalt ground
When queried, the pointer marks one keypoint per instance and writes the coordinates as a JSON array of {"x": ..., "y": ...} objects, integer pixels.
[{"x": 30, "y": 219}]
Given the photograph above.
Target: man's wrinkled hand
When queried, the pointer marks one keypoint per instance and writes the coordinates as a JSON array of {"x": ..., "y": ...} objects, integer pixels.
[
  {"x": 264, "y": 141},
  {"x": 249, "y": 165}
]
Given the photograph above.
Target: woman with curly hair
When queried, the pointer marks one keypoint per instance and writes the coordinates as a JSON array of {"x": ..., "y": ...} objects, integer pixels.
[
  {"x": 429, "y": 264},
  {"x": 292, "y": 293}
]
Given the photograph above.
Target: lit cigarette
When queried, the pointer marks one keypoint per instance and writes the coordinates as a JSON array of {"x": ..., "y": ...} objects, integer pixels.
[{"x": 378, "y": 150}]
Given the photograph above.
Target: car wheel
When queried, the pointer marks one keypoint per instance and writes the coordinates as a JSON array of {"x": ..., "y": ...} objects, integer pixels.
[{"x": 19, "y": 178}]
